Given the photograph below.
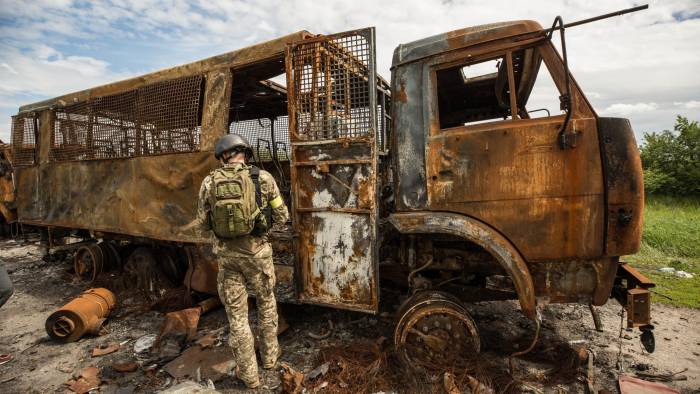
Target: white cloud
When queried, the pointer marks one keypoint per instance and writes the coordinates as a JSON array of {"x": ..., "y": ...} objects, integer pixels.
[
  {"x": 692, "y": 104},
  {"x": 628, "y": 109}
]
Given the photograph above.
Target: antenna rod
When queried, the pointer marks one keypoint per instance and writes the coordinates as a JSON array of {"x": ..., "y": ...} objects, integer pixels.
[{"x": 599, "y": 17}]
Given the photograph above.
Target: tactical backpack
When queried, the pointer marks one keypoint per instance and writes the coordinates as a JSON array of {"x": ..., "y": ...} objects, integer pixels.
[{"x": 235, "y": 200}]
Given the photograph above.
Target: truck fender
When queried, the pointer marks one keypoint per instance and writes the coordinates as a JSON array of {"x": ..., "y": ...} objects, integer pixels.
[{"x": 481, "y": 234}]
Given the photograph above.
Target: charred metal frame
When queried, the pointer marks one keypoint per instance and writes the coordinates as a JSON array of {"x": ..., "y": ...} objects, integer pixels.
[{"x": 332, "y": 84}]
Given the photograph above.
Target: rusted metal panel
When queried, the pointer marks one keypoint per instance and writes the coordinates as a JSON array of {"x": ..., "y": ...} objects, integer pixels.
[
  {"x": 142, "y": 196},
  {"x": 580, "y": 281},
  {"x": 481, "y": 234},
  {"x": 624, "y": 186},
  {"x": 215, "y": 116},
  {"x": 470, "y": 36},
  {"x": 333, "y": 121},
  {"x": 512, "y": 175}
]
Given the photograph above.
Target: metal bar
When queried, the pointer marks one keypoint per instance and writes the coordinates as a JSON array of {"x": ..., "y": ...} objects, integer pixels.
[
  {"x": 343, "y": 140},
  {"x": 341, "y": 210},
  {"x": 331, "y": 162},
  {"x": 511, "y": 85},
  {"x": 597, "y": 18}
]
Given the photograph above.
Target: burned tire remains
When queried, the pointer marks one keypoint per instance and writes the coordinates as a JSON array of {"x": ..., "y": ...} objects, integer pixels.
[{"x": 434, "y": 329}]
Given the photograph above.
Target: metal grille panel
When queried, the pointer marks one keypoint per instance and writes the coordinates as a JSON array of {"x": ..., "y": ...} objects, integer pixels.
[
  {"x": 156, "y": 119},
  {"x": 332, "y": 92},
  {"x": 25, "y": 129},
  {"x": 259, "y": 133}
]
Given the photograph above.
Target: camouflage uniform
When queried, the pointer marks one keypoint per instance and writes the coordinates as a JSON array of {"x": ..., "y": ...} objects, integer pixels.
[{"x": 248, "y": 260}]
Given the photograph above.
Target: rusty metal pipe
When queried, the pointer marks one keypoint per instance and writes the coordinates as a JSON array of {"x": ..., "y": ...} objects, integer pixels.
[{"x": 84, "y": 314}]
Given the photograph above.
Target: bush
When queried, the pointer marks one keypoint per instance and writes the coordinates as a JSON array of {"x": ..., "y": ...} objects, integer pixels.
[{"x": 671, "y": 160}]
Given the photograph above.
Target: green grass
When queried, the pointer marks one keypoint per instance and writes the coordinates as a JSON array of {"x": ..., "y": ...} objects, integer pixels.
[{"x": 671, "y": 238}]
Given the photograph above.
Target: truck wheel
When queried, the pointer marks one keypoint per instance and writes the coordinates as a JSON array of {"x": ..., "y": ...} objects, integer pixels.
[{"x": 434, "y": 330}]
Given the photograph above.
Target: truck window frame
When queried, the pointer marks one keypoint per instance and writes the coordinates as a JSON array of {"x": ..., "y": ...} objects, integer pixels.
[{"x": 549, "y": 56}]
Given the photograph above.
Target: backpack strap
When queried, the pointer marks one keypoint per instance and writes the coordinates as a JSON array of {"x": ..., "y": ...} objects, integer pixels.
[{"x": 255, "y": 176}]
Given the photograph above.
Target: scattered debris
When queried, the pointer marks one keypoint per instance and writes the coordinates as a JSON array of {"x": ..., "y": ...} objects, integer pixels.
[
  {"x": 291, "y": 380},
  {"x": 5, "y": 358},
  {"x": 144, "y": 343},
  {"x": 211, "y": 363},
  {"x": 666, "y": 377},
  {"x": 323, "y": 335},
  {"x": 84, "y": 314},
  {"x": 88, "y": 380},
  {"x": 632, "y": 385},
  {"x": 678, "y": 273},
  {"x": 102, "y": 350},
  {"x": 168, "y": 349},
  {"x": 448, "y": 381},
  {"x": 318, "y": 371},
  {"x": 183, "y": 323},
  {"x": 125, "y": 366},
  {"x": 476, "y": 386},
  {"x": 208, "y": 340},
  {"x": 189, "y": 387}
]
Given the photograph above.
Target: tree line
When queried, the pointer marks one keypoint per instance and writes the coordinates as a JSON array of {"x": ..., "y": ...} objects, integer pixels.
[{"x": 671, "y": 160}]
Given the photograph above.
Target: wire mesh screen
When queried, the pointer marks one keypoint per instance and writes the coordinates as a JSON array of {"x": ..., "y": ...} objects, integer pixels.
[
  {"x": 332, "y": 92},
  {"x": 169, "y": 115},
  {"x": 25, "y": 129},
  {"x": 160, "y": 118},
  {"x": 258, "y": 132}
]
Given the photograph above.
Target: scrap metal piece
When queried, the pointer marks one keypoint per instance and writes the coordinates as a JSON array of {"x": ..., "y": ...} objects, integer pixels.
[
  {"x": 185, "y": 321},
  {"x": 84, "y": 314},
  {"x": 631, "y": 385},
  {"x": 596, "y": 318},
  {"x": 88, "y": 380},
  {"x": 213, "y": 363}
]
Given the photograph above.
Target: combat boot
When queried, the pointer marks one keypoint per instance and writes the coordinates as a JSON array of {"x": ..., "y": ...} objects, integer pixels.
[{"x": 251, "y": 385}]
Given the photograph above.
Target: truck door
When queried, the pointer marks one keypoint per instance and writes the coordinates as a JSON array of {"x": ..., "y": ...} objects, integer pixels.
[
  {"x": 331, "y": 83},
  {"x": 513, "y": 173}
]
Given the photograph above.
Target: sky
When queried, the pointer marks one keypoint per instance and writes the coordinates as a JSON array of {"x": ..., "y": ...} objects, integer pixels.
[{"x": 643, "y": 66}]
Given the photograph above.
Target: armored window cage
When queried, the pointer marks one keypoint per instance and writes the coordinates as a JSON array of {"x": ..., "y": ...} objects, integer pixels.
[
  {"x": 25, "y": 129},
  {"x": 332, "y": 92},
  {"x": 269, "y": 137},
  {"x": 160, "y": 118}
]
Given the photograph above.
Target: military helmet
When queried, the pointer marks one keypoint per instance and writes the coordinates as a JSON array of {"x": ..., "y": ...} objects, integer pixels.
[{"x": 231, "y": 142}]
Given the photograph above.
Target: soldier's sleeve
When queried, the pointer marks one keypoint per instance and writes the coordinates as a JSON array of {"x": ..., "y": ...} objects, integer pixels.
[
  {"x": 203, "y": 207},
  {"x": 280, "y": 213}
]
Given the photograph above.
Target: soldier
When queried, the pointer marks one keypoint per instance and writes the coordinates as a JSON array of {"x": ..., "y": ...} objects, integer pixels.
[{"x": 237, "y": 203}]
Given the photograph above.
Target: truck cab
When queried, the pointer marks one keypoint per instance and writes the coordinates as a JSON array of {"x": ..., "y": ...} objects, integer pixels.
[{"x": 507, "y": 182}]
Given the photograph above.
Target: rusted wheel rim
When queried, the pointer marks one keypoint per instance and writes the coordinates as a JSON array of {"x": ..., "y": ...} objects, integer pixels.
[
  {"x": 88, "y": 260},
  {"x": 435, "y": 331}
]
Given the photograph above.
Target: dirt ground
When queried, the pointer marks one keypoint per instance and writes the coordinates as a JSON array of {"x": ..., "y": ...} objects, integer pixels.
[{"x": 336, "y": 351}]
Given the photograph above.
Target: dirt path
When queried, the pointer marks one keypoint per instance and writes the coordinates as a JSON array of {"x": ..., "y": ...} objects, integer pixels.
[{"x": 40, "y": 365}]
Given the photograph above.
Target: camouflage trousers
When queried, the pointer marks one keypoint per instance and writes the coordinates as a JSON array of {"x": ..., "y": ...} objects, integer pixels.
[{"x": 257, "y": 271}]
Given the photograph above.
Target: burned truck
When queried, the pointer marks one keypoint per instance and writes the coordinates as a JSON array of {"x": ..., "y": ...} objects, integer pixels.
[{"x": 450, "y": 185}]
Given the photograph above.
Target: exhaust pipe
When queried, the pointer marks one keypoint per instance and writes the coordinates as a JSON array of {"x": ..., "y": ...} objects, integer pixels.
[{"x": 84, "y": 314}]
